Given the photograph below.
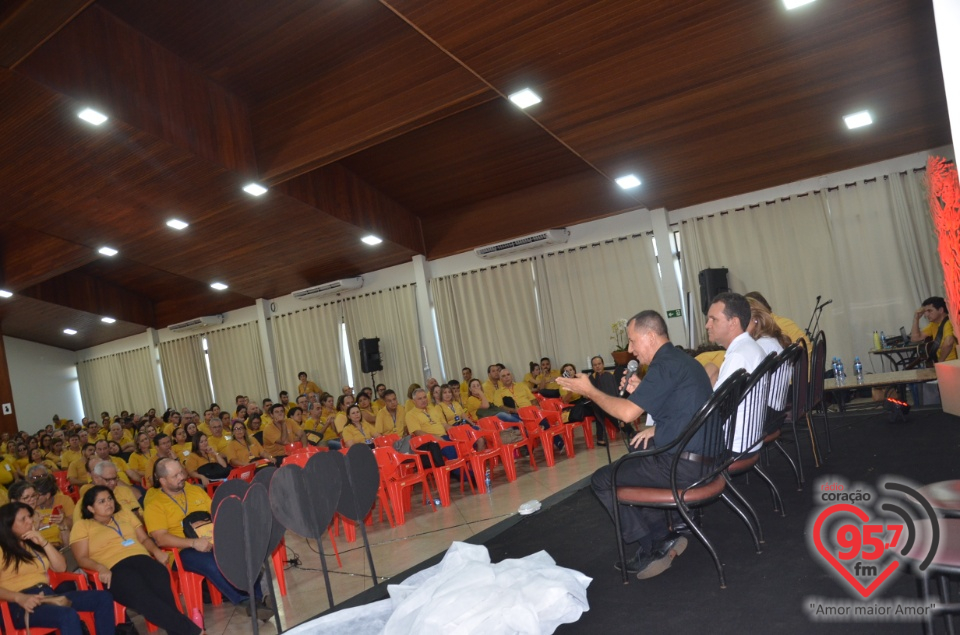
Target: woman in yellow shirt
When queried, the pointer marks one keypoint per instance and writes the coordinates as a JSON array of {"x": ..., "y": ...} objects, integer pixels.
[
  {"x": 26, "y": 557},
  {"x": 54, "y": 530},
  {"x": 201, "y": 456},
  {"x": 21, "y": 458},
  {"x": 181, "y": 444},
  {"x": 242, "y": 450},
  {"x": 114, "y": 543},
  {"x": 142, "y": 457},
  {"x": 343, "y": 402},
  {"x": 532, "y": 378},
  {"x": 36, "y": 458},
  {"x": 449, "y": 409},
  {"x": 366, "y": 409},
  {"x": 56, "y": 449},
  {"x": 409, "y": 405},
  {"x": 356, "y": 430}
]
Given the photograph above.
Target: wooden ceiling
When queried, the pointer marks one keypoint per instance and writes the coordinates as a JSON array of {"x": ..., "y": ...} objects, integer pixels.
[{"x": 390, "y": 117}]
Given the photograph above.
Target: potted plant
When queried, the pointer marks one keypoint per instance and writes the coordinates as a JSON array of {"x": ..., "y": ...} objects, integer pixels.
[{"x": 621, "y": 356}]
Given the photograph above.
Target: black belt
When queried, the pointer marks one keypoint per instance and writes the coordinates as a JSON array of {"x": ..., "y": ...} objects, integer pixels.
[{"x": 697, "y": 458}]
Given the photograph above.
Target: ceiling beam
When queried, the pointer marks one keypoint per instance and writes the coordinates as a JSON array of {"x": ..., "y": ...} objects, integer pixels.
[
  {"x": 27, "y": 24},
  {"x": 338, "y": 192},
  {"x": 81, "y": 292}
]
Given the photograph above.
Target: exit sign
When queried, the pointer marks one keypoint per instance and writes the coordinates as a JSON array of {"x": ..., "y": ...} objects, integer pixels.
[{"x": 674, "y": 313}]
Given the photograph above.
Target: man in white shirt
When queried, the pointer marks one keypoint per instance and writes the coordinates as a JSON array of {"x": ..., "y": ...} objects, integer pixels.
[{"x": 726, "y": 326}]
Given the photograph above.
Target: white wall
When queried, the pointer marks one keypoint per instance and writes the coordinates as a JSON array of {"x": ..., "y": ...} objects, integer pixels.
[{"x": 44, "y": 382}]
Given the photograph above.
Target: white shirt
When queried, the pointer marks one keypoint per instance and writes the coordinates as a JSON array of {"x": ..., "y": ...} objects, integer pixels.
[
  {"x": 769, "y": 345},
  {"x": 743, "y": 352}
]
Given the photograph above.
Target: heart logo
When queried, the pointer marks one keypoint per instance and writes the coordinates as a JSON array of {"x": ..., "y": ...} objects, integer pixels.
[{"x": 860, "y": 529}]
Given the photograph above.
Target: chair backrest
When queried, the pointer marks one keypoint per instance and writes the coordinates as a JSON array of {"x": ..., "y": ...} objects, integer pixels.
[
  {"x": 530, "y": 413},
  {"x": 461, "y": 436},
  {"x": 489, "y": 423},
  {"x": 818, "y": 363},
  {"x": 781, "y": 375},
  {"x": 386, "y": 462},
  {"x": 801, "y": 385},
  {"x": 752, "y": 409},
  {"x": 551, "y": 404},
  {"x": 244, "y": 472},
  {"x": 386, "y": 440}
]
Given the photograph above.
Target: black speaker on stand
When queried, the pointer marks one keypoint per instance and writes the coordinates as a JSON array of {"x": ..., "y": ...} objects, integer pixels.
[
  {"x": 370, "y": 361},
  {"x": 712, "y": 282}
]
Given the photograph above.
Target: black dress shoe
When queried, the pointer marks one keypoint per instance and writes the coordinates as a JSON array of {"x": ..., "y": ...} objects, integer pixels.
[
  {"x": 637, "y": 563},
  {"x": 663, "y": 556},
  {"x": 675, "y": 542}
]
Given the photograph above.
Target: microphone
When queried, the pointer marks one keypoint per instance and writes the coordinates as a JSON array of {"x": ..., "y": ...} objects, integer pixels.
[{"x": 632, "y": 368}]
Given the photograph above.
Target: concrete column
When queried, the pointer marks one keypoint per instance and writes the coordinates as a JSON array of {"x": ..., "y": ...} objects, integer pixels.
[
  {"x": 268, "y": 348},
  {"x": 672, "y": 298},
  {"x": 153, "y": 344},
  {"x": 429, "y": 351}
]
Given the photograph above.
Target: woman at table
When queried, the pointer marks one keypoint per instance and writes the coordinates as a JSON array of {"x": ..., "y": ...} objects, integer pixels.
[
  {"x": 203, "y": 457},
  {"x": 242, "y": 450},
  {"x": 356, "y": 429},
  {"x": 114, "y": 543},
  {"x": 26, "y": 558}
]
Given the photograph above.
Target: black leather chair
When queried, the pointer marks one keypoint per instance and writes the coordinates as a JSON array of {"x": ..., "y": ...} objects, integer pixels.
[{"x": 715, "y": 423}]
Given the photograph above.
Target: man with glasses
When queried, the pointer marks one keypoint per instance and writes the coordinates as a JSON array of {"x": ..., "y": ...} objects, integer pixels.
[{"x": 105, "y": 473}]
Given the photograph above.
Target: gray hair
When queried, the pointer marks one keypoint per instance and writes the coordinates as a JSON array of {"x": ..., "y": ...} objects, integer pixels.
[
  {"x": 417, "y": 391},
  {"x": 102, "y": 466}
]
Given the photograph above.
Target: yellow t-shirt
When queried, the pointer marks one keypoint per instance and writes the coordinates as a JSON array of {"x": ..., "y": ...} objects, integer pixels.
[
  {"x": 711, "y": 357},
  {"x": 490, "y": 389},
  {"x": 6, "y": 471},
  {"x": 193, "y": 462},
  {"x": 340, "y": 422},
  {"x": 522, "y": 396},
  {"x": 182, "y": 451},
  {"x": 238, "y": 454},
  {"x": 451, "y": 412},
  {"x": 351, "y": 434},
  {"x": 473, "y": 404},
  {"x": 307, "y": 387},
  {"x": 219, "y": 443},
  {"x": 49, "y": 531},
  {"x": 106, "y": 542},
  {"x": 28, "y": 574},
  {"x": 126, "y": 498},
  {"x": 425, "y": 421},
  {"x": 121, "y": 468},
  {"x": 377, "y": 405},
  {"x": 78, "y": 471},
  {"x": 142, "y": 462},
  {"x": 392, "y": 423},
  {"x": 204, "y": 427},
  {"x": 930, "y": 330},
  {"x": 67, "y": 457},
  {"x": 165, "y": 512},
  {"x": 271, "y": 437},
  {"x": 790, "y": 328},
  {"x": 409, "y": 405}
]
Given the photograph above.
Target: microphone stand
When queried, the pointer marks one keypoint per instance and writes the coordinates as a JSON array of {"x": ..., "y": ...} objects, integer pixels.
[
  {"x": 816, "y": 325},
  {"x": 816, "y": 307}
]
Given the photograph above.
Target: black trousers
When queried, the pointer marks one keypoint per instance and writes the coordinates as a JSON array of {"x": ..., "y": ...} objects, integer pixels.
[{"x": 143, "y": 584}]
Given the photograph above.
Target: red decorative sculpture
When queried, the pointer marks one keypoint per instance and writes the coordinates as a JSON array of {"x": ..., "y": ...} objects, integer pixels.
[{"x": 944, "y": 192}]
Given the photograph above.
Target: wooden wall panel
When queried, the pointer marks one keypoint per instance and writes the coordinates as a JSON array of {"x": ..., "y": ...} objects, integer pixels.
[
  {"x": 8, "y": 422},
  {"x": 102, "y": 62}
]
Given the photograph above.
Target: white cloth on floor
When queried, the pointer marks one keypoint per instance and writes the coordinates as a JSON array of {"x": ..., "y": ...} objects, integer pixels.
[{"x": 466, "y": 593}]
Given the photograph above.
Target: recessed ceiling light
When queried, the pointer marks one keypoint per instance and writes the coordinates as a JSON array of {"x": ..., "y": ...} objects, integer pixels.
[
  {"x": 254, "y": 189},
  {"x": 793, "y": 4},
  {"x": 108, "y": 251},
  {"x": 371, "y": 240},
  {"x": 858, "y": 119},
  {"x": 173, "y": 223},
  {"x": 5, "y": 294},
  {"x": 92, "y": 116},
  {"x": 525, "y": 98},
  {"x": 108, "y": 320},
  {"x": 219, "y": 286},
  {"x": 628, "y": 181},
  {"x": 69, "y": 332}
]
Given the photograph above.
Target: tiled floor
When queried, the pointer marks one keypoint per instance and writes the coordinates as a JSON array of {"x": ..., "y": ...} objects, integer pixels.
[{"x": 425, "y": 534}]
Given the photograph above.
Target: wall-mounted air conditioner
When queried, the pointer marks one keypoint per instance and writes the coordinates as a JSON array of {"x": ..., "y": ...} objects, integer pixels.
[
  {"x": 541, "y": 239},
  {"x": 330, "y": 288},
  {"x": 198, "y": 323}
]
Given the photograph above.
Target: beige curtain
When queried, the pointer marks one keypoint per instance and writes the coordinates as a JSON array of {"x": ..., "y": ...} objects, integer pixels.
[
  {"x": 123, "y": 381},
  {"x": 236, "y": 363},
  {"x": 184, "y": 369},
  {"x": 867, "y": 246},
  {"x": 391, "y": 315},
  {"x": 309, "y": 340},
  {"x": 488, "y": 316},
  {"x": 583, "y": 291}
]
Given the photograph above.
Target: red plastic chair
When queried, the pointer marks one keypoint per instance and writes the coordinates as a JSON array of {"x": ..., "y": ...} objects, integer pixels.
[
  {"x": 441, "y": 474},
  {"x": 119, "y": 610},
  {"x": 386, "y": 440},
  {"x": 466, "y": 438},
  {"x": 557, "y": 405},
  {"x": 65, "y": 485},
  {"x": 399, "y": 485},
  {"x": 244, "y": 473},
  {"x": 532, "y": 416},
  {"x": 55, "y": 579},
  {"x": 191, "y": 587},
  {"x": 508, "y": 450}
]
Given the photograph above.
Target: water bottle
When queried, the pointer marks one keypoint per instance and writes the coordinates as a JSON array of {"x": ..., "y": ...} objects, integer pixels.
[
  {"x": 836, "y": 371},
  {"x": 457, "y": 421},
  {"x": 840, "y": 374},
  {"x": 436, "y": 502},
  {"x": 858, "y": 369},
  {"x": 487, "y": 479},
  {"x": 883, "y": 339}
]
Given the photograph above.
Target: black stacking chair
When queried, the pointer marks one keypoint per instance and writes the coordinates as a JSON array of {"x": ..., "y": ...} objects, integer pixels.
[
  {"x": 714, "y": 424},
  {"x": 748, "y": 441},
  {"x": 778, "y": 407},
  {"x": 816, "y": 395}
]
